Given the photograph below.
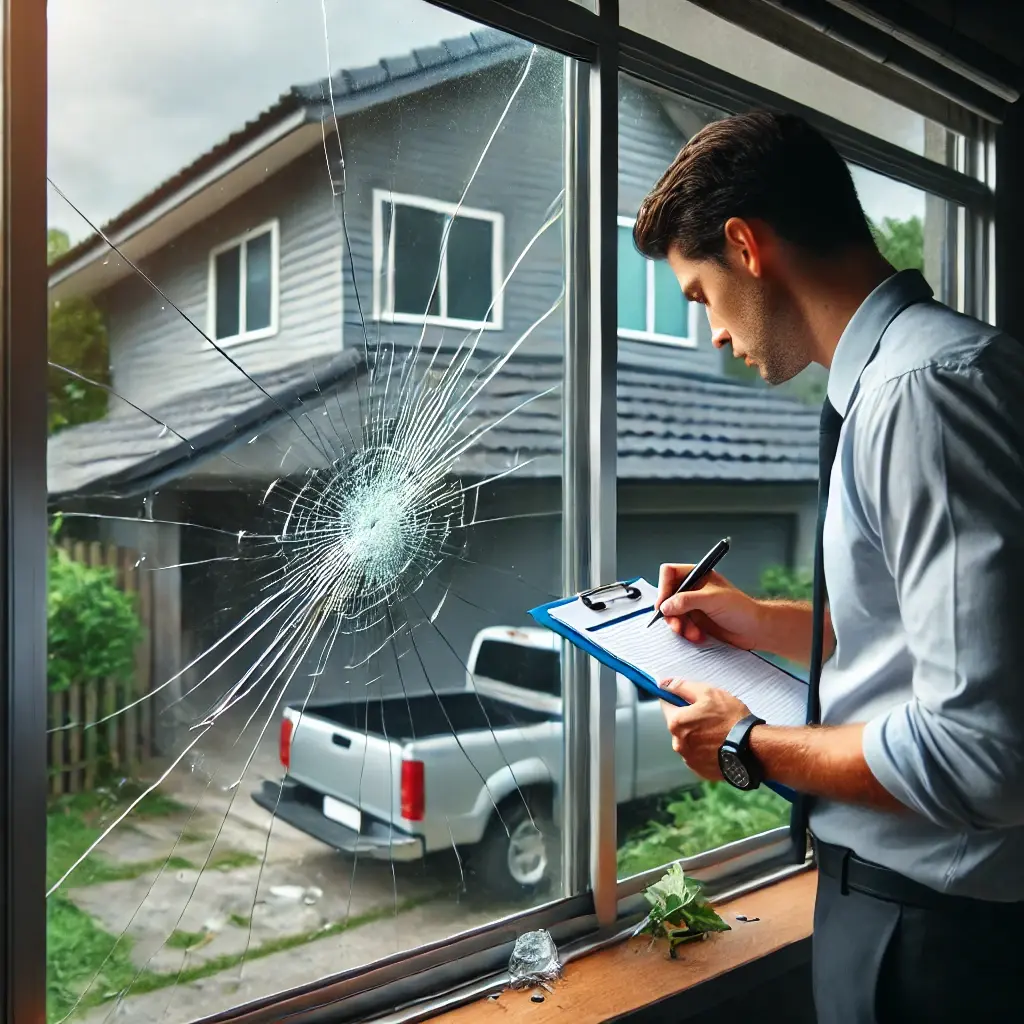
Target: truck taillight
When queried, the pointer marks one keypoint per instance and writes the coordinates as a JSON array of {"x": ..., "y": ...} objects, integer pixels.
[
  {"x": 284, "y": 747},
  {"x": 412, "y": 790}
]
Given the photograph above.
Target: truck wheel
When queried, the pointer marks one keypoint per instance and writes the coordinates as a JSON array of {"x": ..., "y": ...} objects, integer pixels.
[{"x": 525, "y": 860}]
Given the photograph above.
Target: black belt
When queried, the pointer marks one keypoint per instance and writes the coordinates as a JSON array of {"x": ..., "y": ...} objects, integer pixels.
[{"x": 885, "y": 884}]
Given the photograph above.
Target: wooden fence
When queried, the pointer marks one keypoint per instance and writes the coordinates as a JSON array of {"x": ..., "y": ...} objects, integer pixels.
[{"x": 78, "y": 753}]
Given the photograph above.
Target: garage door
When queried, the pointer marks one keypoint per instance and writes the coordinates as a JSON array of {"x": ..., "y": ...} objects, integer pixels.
[{"x": 758, "y": 541}]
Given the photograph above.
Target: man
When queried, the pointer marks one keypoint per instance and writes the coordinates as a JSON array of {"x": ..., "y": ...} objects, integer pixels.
[{"x": 916, "y": 769}]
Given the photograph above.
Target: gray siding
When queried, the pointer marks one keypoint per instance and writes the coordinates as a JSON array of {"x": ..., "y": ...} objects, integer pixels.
[
  {"x": 155, "y": 354},
  {"x": 426, "y": 144}
]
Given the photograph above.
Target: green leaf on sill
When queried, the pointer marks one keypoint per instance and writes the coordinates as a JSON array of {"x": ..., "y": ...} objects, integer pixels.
[{"x": 678, "y": 912}]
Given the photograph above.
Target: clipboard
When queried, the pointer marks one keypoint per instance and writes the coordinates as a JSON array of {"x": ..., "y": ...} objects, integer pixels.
[{"x": 612, "y": 605}]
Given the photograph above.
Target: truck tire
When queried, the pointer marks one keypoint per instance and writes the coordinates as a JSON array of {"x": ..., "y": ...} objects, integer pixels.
[{"x": 525, "y": 860}]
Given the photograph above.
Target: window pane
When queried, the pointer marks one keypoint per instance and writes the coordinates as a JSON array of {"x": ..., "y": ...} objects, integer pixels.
[
  {"x": 707, "y": 449},
  {"x": 257, "y": 282},
  {"x": 670, "y": 308},
  {"x": 418, "y": 234},
  {"x": 470, "y": 258},
  {"x": 228, "y": 276},
  {"x": 632, "y": 284},
  {"x": 334, "y": 561},
  {"x": 701, "y": 34}
]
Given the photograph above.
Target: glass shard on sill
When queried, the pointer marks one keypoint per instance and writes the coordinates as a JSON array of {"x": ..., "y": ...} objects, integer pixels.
[{"x": 534, "y": 960}]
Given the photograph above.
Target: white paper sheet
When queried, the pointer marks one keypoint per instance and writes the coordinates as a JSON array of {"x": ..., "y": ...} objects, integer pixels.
[{"x": 769, "y": 692}]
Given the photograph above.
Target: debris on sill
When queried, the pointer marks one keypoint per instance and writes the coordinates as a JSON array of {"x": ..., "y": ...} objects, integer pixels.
[
  {"x": 747, "y": 920},
  {"x": 678, "y": 912},
  {"x": 534, "y": 961}
]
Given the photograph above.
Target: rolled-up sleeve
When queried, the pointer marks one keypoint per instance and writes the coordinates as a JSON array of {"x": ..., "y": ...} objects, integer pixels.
[{"x": 944, "y": 492}]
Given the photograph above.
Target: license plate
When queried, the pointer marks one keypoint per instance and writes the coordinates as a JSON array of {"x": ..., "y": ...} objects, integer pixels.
[{"x": 344, "y": 814}]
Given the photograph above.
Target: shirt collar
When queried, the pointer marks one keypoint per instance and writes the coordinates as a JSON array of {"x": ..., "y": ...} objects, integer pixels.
[{"x": 859, "y": 340}]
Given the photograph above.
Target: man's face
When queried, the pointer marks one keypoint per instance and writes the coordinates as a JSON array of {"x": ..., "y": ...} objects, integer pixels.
[{"x": 749, "y": 308}]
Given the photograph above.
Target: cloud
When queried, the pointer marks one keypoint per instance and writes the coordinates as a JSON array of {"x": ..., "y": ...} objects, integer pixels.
[{"x": 138, "y": 90}]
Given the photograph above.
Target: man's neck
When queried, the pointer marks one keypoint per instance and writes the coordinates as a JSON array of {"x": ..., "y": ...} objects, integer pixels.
[{"x": 833, "y": 290}]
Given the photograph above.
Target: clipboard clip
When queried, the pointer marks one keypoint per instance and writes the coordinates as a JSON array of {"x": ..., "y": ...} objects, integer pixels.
[{"x": 629, "y": 593}]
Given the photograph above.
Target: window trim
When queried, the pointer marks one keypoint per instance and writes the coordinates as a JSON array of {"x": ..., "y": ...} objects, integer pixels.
[
  {"x": 241, "y": 241},
  {"x": 384, "y": 273},
  {"x": 689, "y": 340}
]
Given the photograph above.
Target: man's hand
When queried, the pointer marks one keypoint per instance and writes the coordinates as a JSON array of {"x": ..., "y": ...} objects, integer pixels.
[
  {"x": 716, "y": 608},
  {"x": 700, "y": 729},
  {"x": 821, "y": 760}
]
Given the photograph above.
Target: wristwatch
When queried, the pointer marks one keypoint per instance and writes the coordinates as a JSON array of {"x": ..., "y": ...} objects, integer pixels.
[{"x": 739, "y": 766}]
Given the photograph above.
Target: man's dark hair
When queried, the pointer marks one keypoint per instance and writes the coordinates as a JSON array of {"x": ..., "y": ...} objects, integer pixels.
[{"x": 770, "y": 166}]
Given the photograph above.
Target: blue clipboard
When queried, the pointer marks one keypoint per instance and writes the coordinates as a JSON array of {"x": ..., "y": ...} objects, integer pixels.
[{"x": 542, "y": 616}]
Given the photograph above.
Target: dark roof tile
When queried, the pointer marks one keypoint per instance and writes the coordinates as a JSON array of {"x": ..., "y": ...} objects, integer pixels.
[{"x": 710, "y": 430}]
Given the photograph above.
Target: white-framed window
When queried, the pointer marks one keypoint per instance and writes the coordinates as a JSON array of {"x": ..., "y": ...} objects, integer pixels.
[
  {"x": 651, "y": 303},
  {"x": 409, "y": 245},
  {"x": 243, "y": 288}
]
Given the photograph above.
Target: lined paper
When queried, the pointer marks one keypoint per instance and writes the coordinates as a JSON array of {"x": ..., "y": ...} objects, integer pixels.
[{"x": 769, "y": 692}]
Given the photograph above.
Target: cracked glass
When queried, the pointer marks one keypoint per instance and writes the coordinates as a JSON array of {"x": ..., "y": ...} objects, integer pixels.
[{"x": 304, "y": 472}]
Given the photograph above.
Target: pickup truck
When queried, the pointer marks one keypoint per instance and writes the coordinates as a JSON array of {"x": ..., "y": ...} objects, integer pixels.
[{"x": 477, "y": 768}]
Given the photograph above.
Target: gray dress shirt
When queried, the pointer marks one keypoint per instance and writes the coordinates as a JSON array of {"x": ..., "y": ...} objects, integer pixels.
[{"x": 924, "y": 563}]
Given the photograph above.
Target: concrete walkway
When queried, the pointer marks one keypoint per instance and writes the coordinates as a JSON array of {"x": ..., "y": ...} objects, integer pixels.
[{"x": 248, "y": 885}]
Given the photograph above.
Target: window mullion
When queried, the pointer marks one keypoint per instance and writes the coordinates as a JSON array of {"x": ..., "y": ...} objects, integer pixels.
[
  {"x": 442, "y": 284},
  {"x": 575, "y": 789},
  {"x": 649, "y": 316},
  {"x": 242, "y": 271},
  {"x": 603, "y": 371},
  {"x": 390, "y": 284}
]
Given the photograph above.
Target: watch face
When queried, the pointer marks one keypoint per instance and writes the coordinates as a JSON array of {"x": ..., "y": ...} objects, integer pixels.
[{"x": 733, "y": 769}]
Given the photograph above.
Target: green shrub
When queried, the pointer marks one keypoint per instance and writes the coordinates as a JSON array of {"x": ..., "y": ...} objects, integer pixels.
[
  {"x": 779, "y": 581},
  {"x": 92, "y": 627},
  {"x": 717, "y": 814}
]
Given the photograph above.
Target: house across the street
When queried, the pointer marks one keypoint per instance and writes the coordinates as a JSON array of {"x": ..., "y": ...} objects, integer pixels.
[{"x": 249, "y": 244}]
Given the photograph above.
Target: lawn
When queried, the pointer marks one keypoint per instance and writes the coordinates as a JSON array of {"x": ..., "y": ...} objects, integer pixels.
[{"x": 77, "y": 949}]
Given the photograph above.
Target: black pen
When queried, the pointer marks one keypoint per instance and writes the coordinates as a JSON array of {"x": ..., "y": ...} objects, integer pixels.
[{"x": 698, "y": 572}]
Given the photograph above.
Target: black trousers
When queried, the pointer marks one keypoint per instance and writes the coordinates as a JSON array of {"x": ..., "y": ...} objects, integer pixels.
[{"x": 876, "y": 962}]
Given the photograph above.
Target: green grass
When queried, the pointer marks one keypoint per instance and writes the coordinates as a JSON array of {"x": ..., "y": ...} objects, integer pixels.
[
  {"x": 691, "y": 824},
  {"x": 118, "y": 972},
  {"x": 77, "y": 951},
  {"x": 239, "y": 920},
  {"x": 227, "y": 860},
  {"x": 180, "y": 939},
  {"x": 74, "y": 823},
  {"x": 77, "y": 948}
]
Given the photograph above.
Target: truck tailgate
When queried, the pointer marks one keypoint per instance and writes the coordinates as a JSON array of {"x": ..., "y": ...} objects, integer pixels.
[{"x": 352, "y": 765}]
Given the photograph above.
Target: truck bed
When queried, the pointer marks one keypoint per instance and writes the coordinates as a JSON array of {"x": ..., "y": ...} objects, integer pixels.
[{"x": 431, "y": 715}]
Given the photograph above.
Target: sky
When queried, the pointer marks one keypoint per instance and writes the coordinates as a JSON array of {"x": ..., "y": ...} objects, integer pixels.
[{"x": 139, "y": 89}]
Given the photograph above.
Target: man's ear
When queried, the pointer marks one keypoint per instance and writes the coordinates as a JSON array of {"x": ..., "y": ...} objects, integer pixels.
[{"x": 743, "y": 245}]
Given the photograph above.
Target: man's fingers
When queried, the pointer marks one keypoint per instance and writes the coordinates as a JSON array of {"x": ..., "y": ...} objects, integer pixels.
[
  {"x": 690, "y": 692},
  {"x": 678, "y": 611},
  {"x": 669, "y": 578}
]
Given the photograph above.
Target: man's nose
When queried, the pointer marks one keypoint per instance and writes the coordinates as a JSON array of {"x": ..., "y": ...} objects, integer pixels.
[{"x": 720, "y": 337}]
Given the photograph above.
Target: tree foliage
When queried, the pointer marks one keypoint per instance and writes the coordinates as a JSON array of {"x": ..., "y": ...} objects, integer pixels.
[
  {"x": 77, "y": 339},
  {"x": 92, "y": 627},
  {"x": 901, "y": 242}
]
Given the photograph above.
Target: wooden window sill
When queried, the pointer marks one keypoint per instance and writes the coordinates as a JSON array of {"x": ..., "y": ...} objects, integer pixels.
[{"x": 635, "y": 974}]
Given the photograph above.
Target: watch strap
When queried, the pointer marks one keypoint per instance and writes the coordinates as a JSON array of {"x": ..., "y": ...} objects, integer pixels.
[{"x": 739, "y": 734}]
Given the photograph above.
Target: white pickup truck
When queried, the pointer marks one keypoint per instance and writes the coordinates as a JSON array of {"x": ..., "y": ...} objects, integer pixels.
[{"x": 477, "y": 768}]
